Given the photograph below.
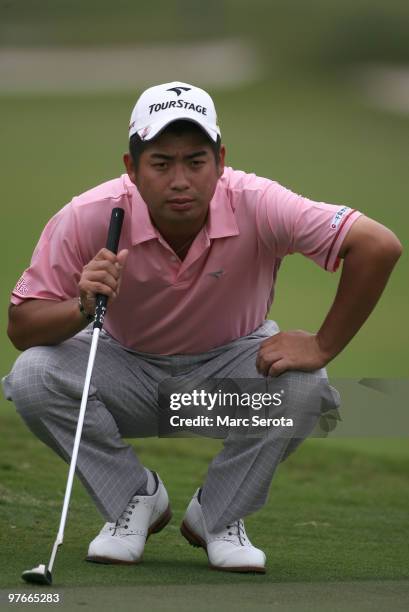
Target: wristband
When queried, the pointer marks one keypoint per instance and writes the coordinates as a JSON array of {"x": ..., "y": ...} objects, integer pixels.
[{"x": 87, "y": 317}]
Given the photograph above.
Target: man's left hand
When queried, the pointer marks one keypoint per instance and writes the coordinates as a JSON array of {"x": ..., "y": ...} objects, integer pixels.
[{"x": 293, "y": 350}]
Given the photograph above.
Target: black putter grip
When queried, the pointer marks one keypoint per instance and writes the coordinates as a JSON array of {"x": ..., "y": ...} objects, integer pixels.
[{"x": 114, "y": 233}]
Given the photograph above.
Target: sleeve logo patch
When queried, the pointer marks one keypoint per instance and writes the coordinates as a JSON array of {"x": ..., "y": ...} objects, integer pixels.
[
  {"x": 21, "y": 286},
  {"x": 339, "y": 215}
]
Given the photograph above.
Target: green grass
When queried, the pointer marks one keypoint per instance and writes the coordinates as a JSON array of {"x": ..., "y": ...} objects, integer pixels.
[{"x": 334, "y": 514}]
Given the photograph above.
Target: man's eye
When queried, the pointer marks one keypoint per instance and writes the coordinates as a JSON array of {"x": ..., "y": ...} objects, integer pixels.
[
  {"x": 196, "y": 163},
  {"x": 160, "y": 165}
]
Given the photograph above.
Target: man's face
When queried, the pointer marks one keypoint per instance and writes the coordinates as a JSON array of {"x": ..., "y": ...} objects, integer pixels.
[{"x": 177, "y": 176}]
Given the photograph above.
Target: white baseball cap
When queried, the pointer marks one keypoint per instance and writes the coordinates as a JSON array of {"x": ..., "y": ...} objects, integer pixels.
[{"x": 160, "y": 105}]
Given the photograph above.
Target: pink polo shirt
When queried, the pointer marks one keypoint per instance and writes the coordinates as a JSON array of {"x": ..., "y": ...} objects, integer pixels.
[{"x": 224, "y": 287}]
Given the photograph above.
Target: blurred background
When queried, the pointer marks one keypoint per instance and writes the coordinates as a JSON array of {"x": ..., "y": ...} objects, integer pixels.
[{"x": 312, "y": 94}]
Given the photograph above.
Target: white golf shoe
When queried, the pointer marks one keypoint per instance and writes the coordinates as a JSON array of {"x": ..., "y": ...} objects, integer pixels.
[
  {"x": 124, "y": 540},
  {"x": 229, "y": 550}
]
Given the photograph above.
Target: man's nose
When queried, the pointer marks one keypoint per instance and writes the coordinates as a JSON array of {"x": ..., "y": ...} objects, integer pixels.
[{"x": 179, "y": 180}]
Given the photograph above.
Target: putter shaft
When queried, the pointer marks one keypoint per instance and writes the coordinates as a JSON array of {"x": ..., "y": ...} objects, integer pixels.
[{"x": 84, "y": 400}]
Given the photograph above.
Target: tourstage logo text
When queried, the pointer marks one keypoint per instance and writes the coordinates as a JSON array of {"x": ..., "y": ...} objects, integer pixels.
[{"x": 177, "y": 104}]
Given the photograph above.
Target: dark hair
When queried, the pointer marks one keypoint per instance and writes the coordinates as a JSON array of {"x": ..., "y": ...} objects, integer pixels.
[{"x": 182, "y": 126}]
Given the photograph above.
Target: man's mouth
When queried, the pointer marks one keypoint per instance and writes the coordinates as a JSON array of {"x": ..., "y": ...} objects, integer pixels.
[
  {"x": 180, "y": 199},
  {"x": 180, "y": 203}
]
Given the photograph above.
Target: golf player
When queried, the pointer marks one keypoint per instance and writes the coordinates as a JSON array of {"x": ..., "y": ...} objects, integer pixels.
[{"x": 189, "y": 292}]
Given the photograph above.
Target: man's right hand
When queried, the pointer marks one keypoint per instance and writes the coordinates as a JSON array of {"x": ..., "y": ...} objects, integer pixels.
[
  {"x": 101, "y": 275},
  {"x": 38, "y": 322}
]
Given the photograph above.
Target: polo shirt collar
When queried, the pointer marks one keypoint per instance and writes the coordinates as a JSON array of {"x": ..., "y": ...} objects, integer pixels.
[
  {"x": 221, "y": 221},
  {"x": 141, "y": 224}
]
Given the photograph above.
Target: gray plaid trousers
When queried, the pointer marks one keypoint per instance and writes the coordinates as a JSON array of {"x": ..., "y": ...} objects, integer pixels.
[{"x": 46, "y": 386}]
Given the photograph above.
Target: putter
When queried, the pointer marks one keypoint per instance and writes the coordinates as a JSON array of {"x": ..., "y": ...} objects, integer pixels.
[{"x": 42, "y": 574}]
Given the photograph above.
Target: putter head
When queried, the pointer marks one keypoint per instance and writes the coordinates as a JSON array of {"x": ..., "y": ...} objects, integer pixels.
[{"x": 38, "y": 575}]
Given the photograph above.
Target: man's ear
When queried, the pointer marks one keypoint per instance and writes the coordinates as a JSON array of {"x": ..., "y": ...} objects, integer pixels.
[
  {"x": 130, "y": 168},
  {"x": 222, "y": 155}
]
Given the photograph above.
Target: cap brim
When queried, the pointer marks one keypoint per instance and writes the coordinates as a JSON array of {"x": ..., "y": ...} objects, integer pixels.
[{"x": 156, "y": 128}]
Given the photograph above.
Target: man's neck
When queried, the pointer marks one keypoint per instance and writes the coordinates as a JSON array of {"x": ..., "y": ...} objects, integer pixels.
[
  {"x": 181, "y": 245},
  {"x": 181, "y": 235}
]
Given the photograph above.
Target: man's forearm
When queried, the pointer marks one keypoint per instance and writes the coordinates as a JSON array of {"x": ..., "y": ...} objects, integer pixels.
[
  {"x": 44, "y": 322},
  {"x": 365, "y": 272}
]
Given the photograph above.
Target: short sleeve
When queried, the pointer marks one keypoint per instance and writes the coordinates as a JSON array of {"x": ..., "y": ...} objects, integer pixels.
[
  {"x": 56, "y": 264},
  {"x": 289, "y": 223}
]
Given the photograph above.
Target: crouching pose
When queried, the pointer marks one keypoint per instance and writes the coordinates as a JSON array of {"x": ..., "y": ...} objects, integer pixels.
[{"x": 189, "y": 294}]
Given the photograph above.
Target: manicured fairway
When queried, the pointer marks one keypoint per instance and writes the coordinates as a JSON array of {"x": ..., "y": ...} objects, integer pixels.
[{"x": 335, "y": 516}]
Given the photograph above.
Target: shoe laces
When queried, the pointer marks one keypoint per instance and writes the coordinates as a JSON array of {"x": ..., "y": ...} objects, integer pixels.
[
  {"x": 237, "y": 529},
  {"x": 123, "y": 520}
]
